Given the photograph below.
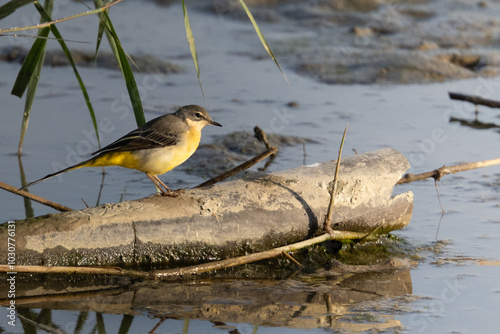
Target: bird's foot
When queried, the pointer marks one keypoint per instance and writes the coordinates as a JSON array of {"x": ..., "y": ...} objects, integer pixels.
[
  {"x": 162, "y": 194},
  {"x": 172, "y": 193}
]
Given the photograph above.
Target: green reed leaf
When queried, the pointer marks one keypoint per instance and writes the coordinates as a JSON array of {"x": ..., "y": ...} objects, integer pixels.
[
  {"x": 262, "y": 39},
  {"x": 192, "y": 45}
]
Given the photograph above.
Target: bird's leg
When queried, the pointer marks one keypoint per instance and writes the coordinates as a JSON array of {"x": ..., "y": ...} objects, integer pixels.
[
  {"x": 155, "y": 181},
  {"x": 157, "y": 185},
  {"x": 165, "y": 191},
  {"x": 172, "y": 193},
  {"x": 163, "y": 184}
]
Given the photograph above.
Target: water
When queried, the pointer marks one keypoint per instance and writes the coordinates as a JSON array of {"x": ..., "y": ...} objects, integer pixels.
[{"x": 451, "y": 292}]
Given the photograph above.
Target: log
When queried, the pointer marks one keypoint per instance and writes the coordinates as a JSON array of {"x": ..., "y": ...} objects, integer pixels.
[{"x": 228, "y": 219}]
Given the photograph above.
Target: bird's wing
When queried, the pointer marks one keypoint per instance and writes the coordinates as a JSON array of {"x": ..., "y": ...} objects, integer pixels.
[{"x": 140, "y": 139}]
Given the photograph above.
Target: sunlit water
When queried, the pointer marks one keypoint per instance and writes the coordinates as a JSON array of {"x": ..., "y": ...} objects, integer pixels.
[{"x": 242, "y": 92}]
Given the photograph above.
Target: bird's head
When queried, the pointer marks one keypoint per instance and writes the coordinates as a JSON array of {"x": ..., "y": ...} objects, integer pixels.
[{"x": 196, "y": 116}]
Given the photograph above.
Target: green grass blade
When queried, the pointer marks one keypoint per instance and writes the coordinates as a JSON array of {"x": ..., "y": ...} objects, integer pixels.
[
  {"x": 31, "y": 86},
  {"x": 28, "y": 206},
  {"x": 30, "y": 62},
  {"x": 100, "y": 32},
  {"x": 80, "y": 321},
  {"x": 130, "y": 82},
  {"x": 192, "y": 45},
  {"x": 11, "y": 6},
  {"x": 125, "y": 324},
  {"x": 29, "y": 75},
  {"x": 101, "y": 329},
  {"x": 123, "y": 62},
  {"x": 45, "y": 15},
  {"x": 102, "y": 29},
  {"x": 262, "y": 39},
  {"x": 185, "y": 326}
]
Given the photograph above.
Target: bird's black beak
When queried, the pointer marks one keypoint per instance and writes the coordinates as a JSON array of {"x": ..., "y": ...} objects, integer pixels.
[{"x": 215, "y": 123}]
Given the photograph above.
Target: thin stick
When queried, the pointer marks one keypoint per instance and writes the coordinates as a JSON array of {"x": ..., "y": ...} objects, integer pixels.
[
  {"x": 440, "y": 172},
  {"x": 474, "y": 99},
  {"x": 36, "y": 198},
  {"x": 73, "y": 270},
  {"x": 211, "y": 266},
  {"x": 291, "y": 258},
  {"x": 439, "y": 197},
  {"x": 261, "y": 136},
  {"x": 328, "y": 217},
  {"x": 48, "y": 24},
  {"x": 41, "y": 326},
  {"x": 157, "y": 325},
  {"x": 44, "y": 298},
  {"x": 239, "y": 168}
]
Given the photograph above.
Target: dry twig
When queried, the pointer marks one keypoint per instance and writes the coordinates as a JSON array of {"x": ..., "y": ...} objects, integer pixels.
[
  {"x": 73, "y": 270},
  {"x": 44, "y": 298},
  {"x": 327, "y": 223},
  {"x": 36, "y": 198},
  {"x": 43, "y": 327},
  {"x": 291, "y": 258},
  {"x": 48, "y": 24},
  {"x": 239, "y": 168},
  {"x": 211, "y": 266},
  {"x": 474, "y": 100},
  {"x": 262, "y": 137},
  {"x": 437, "y": 174}
]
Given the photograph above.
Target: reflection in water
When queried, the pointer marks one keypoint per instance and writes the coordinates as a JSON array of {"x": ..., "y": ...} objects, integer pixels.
[
  {"x": 328, "y": 299},
  {"x": 478, "y": 125}
]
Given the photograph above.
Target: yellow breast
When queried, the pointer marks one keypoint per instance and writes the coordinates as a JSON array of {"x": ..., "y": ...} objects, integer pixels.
[
  {"x": 193, "y": 138},
  {"x": 172, "y": 156}
]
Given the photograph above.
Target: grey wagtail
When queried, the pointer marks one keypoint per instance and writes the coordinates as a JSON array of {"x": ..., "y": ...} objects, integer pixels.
[{"x": 154, "y": 148}]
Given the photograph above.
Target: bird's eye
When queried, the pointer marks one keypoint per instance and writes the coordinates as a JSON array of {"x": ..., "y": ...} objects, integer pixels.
[{"x": 199, "y": 115}]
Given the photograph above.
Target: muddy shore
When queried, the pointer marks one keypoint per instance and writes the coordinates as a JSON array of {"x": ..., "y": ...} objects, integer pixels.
[
  {"x": 354, "y": 42},
  {"x": 378, "y": 41}
]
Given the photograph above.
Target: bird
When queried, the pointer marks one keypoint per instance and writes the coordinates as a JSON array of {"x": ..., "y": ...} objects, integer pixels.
[{"x": 155, "y": 148}]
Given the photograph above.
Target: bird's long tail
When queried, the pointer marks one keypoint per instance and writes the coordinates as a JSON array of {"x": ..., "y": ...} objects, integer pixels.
[{"x": 80, "y": 165}]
